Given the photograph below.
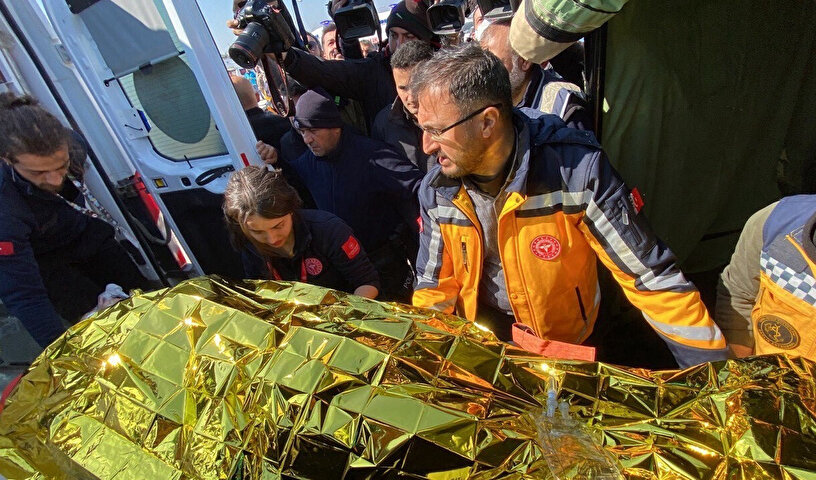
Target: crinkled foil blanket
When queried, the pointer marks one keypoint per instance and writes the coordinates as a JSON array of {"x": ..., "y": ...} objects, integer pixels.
[{"x": 267, "y": 380}]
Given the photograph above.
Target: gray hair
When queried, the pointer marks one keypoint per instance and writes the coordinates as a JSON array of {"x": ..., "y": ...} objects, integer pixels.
[
  {"x": 473, "y": 77},
  {"x": 500, "y": 30}
]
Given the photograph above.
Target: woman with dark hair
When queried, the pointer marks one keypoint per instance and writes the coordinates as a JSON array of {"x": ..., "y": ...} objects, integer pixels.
[{"x": 279, "y": 240}]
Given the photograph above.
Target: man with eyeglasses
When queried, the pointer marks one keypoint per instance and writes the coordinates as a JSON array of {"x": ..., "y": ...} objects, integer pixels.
[{"x": 519, "y": 210}]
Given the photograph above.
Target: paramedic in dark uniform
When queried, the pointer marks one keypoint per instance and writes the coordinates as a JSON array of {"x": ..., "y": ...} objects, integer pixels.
[
  {"x": 366, "y": 183},
  {"x": 280, "y": 241},
  {"x": 55, "y": 257}
]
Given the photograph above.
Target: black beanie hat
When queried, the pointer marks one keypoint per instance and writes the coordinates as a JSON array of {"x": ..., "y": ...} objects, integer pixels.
[
  {"x": 315, "y": 109},
  {"x": 412, "y": 16}
]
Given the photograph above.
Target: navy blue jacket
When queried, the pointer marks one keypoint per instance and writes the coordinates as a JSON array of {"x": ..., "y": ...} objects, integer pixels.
[
  {"x": 326, "y": 254},
  {"x": 32, "y": 222},
  {"x": 366, "y": 183}
]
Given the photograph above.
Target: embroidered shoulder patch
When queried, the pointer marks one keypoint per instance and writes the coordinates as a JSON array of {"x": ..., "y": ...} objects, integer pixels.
[
  {"x": 351, "y": 247},
  {"x": 6, "y": 249},
  {"x": 636, "y": 199}
]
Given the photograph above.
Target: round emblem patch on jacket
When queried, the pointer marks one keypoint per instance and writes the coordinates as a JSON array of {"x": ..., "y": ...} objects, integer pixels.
[
  {"x": 778, "y": 332},
  {"x": 313, "y": 266},
  {"x": 546, "y": 247}
]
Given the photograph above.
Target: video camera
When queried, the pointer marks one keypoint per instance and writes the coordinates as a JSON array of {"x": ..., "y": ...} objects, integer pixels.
[
  {"x": 358, "y": 18},
  {"x": 494, "y": 10},
  {"x": 268, "y": 28},
  {"x": 448, "y": 16}
]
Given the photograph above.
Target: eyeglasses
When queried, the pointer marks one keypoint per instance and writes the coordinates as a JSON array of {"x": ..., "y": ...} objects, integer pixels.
[{"x": 438, "y": 132}]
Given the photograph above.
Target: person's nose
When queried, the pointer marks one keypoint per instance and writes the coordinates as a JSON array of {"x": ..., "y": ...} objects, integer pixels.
[
  {"x": 55, "y": 178},
  {"x": 429, "y": 145}
]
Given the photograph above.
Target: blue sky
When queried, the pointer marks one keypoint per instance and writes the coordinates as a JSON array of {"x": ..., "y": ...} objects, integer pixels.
[{"x": 217, "y": 12}]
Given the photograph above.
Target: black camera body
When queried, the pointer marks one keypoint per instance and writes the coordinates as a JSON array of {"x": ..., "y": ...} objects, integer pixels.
[
  {"x": 268, "y": 28},
  {"x": 448, "y": 16},
  {"x": 494, "y": 10},
  {"x": 359, "y": 18}
]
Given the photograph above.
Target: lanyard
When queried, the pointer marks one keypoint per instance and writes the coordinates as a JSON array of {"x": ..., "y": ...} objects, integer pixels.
[
  {"x": 97, "y": 210},
  {"x": 276, "y": 275}
]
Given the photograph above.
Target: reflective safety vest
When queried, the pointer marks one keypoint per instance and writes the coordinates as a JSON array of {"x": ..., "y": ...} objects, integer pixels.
[
  {"x": 784, "y": 315},
  {"x": 566, "y": 207}
]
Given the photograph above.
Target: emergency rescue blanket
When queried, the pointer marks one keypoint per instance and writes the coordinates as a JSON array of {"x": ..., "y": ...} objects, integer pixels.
[{"x": 262, "y": 380}]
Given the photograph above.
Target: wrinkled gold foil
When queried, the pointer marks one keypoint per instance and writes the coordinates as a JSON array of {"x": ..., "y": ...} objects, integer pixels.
[{"x": 216, "y": 379}]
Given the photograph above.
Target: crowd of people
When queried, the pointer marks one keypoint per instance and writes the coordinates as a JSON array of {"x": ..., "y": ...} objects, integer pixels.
[{"x": 464, "y": 179}]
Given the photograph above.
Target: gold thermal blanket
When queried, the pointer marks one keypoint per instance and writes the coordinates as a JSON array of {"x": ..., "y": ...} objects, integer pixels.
[{"x": 272, "y": 380}]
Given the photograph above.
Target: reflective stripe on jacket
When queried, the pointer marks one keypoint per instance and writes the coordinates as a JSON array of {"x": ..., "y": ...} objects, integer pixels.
[
  {"x": 784, "y": 315},
  {"x": 566, "y": 206}
]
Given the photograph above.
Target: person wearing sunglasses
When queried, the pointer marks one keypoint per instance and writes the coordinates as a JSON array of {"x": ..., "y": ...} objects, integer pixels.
[{"x": 519, "y": 210}]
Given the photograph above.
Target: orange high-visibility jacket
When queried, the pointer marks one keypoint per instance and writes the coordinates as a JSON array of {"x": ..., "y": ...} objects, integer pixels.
[
  {"x": 566, "y": 207},
  {"x": 784, "y": 315}
]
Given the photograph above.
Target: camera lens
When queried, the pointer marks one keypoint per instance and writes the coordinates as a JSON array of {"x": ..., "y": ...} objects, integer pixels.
[
  {"x": 449, "y": 16},
  {"x": 249, "y": 46}
]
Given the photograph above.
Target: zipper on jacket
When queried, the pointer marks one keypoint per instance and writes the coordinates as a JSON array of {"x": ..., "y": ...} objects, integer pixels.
[
  {"x": 581, "y": 305},
  {"x": 464, "y": 254}
]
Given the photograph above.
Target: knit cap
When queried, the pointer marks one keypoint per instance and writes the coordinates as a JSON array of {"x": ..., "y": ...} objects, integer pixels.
[{"x": 316, "y": 110}]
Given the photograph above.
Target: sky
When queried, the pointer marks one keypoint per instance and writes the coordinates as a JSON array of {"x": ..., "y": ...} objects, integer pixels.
[{"x": 217, "y": 12}]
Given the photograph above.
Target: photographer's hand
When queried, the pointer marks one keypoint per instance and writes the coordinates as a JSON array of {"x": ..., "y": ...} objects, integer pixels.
[{"x": 232, "y": 24}]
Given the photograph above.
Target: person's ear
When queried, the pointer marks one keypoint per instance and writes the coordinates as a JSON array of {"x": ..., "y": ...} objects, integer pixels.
[
  {"x": 524, "y": 64},
  {"x": 490, "y": 121}
]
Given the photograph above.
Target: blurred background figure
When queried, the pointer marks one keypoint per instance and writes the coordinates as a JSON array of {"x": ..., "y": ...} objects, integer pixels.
[
  {"x": 331, "y": 51},
  {"x": 368, "y": 47}
]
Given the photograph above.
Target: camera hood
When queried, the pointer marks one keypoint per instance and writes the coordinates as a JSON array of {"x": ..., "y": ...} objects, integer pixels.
[
  {"x": 494, "y": 10},
  {"x": 448, "y": 16},
  {"x": 357, "y": 19}
]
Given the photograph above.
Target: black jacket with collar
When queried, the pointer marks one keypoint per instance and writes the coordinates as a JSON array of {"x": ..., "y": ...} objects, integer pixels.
[
  {"x": 394, "y": 127},
  {"x": 326, "y": 251},
  {"x": 32, "y": 222}
]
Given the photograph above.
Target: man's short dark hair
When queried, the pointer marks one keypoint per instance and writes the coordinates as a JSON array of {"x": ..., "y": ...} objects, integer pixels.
[
  {"x": 473, "y": 78},
  {"x": 411, "y": 53}
]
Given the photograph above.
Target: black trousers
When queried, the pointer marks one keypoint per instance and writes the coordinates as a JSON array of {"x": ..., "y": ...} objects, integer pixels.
[{"x": 75, "y": 275}]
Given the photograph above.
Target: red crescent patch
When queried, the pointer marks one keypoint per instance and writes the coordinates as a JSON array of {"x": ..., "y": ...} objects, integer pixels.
[
  {"x": 546, "y": 247},
  {"x": 6, "y": 248},
  {"x": 351, "y": 247},
  {"x": 313, "y": 266}
]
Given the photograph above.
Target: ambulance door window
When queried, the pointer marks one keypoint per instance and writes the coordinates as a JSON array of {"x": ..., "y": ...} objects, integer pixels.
[{"x": 174, "y": 110}]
